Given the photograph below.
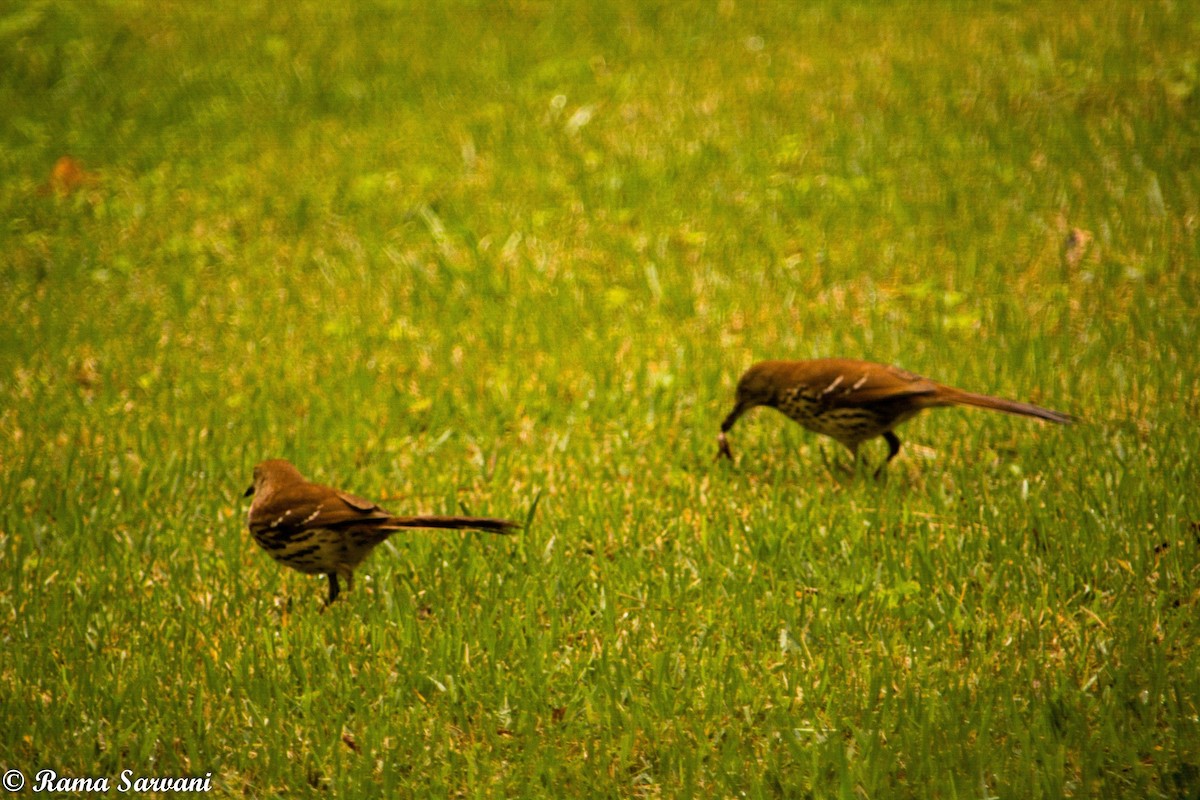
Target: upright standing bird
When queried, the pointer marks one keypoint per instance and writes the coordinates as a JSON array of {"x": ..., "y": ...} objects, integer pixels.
[
  {"x": 319, "y": 530},
  {"x": 853, "y": 401}
]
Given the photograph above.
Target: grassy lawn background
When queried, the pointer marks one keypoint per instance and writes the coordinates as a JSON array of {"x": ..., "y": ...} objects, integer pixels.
[{"x": 465, "y": 256}]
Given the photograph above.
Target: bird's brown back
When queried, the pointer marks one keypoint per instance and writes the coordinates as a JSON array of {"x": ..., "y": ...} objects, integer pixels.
[
  {"x": 310, "y": 505},
  {"x": 848, "y": 382}
]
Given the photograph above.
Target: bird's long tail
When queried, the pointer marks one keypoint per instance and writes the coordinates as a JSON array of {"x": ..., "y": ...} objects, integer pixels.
[
  {"x": 489, "y": 524},
  {"x": 961, "y": 398}
]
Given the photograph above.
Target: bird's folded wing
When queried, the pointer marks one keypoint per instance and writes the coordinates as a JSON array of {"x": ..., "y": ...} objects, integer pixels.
[
  {"x": 360, "y": 504},
  {"x": 313, "y": 506},
  {"x": 847, "y": 383}
]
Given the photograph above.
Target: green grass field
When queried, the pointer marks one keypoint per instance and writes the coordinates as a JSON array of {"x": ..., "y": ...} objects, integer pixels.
[{"x": 457, "y": 256}]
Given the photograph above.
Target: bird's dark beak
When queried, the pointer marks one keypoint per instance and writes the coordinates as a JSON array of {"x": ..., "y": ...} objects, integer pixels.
[
  {"x": 249, "y": 491},
  {"x": 722, "y": 443},
  {"x": 741, "y": 408}
]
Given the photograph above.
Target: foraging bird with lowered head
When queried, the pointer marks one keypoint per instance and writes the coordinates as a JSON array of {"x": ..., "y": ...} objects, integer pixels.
[{"x": 852, "y": 401}]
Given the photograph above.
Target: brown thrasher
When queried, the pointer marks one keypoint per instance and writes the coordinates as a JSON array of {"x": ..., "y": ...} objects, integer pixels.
[
  {"x": 853, "y": 401},
  {"x": 319, "y": 530}
]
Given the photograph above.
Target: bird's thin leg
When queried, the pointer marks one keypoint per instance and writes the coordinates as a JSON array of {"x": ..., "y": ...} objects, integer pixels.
[
  {"x": 893, "y": 443},
  {"x": 333, "y": 588}
]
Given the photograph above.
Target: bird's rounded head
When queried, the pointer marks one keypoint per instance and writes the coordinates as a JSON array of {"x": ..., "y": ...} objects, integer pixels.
[
  {"x": 272, "y": 471},
  {"x": 759, "y": 385}
]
